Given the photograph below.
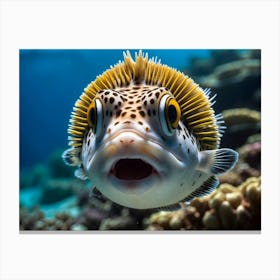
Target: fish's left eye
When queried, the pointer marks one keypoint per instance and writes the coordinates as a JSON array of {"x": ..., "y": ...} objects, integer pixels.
[
  {"x": 95, "y": 116},
  {"x": 169, "y": 114}
]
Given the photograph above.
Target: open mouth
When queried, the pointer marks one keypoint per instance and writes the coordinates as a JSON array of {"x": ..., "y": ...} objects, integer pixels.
[{"x": 132, "y": 169}]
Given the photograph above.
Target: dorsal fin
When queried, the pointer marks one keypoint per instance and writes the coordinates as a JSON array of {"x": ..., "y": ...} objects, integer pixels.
[{"x": 194, "y": 102}]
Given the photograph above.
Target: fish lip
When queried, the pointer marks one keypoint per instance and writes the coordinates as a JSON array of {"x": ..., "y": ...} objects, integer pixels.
[
  {"x": 150, "y": 140},
  {"x": 150, "y": 151}
]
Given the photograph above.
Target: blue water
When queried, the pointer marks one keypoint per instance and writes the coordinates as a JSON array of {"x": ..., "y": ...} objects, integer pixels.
[{"x": 50, "y": 83}]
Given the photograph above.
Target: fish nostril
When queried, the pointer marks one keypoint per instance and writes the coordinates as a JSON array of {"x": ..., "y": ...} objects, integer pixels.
[{"x": 126, "y": 141}]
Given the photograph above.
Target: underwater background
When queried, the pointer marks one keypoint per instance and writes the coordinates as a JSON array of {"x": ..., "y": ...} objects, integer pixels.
[{"x": 52, "y": 199}]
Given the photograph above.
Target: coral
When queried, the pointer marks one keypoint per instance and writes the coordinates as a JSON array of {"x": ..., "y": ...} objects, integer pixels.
[
  {"x": 251, "y": 153},
  {"x": 248, "y": 165},
  {"x": 254, "y": 138},
  {"x": 29, "y": 218},
  {"x": 233, "y": 72},
  {"x": 204, "y": 66},
  {"x": 241, "y": 116},
  {"x": 239, "y": 174},
  {"x": 34, "y": 219},
  {"x": 123, "y": 222},
  {"x": 236, "y": 83},
  {"x": 91, "y": 218},
  {"x": 99, "y": 213},
  {"x": 227, "y": 208},
  {"x": 241, "y": 123}
]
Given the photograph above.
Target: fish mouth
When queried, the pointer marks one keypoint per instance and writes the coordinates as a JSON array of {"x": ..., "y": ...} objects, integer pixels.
[
  {"x": 132, "y": 169},
  {"x": 129, "y": 163},
  {"x": 134, "y": 174}
]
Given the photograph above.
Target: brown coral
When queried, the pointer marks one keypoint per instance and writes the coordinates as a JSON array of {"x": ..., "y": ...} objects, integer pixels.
[
  {"x": 241, "y": 123},
  {"x": 240, "y": 116},
  {"x": 233, "y": 72},
  {"x": 34, "y": 219},
  {"x": 227, "y": 208}
]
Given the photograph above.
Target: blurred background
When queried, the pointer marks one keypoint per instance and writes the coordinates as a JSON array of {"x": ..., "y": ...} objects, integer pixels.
[{"x": 52, "y": 199}]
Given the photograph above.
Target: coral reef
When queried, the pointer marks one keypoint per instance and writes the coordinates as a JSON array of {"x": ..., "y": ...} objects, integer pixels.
[
  {"x": 227, "y": 208},
  {"x": 241, "y": 123},
  {"x": 34, "y": 219},
  {"x": 66, "y": 203},
  {"x": 249, "y": 165},
  {"x": 242, "y": 116},
  {"x": 99, "y": 213},
  {"x": 251, "y": 153},
  {"x": 233, "y": 75}
]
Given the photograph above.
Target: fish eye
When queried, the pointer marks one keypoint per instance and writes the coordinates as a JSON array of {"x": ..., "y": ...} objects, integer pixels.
[
  {"x": 95, "y": 116},
  {"x": 169, "y": 114}
]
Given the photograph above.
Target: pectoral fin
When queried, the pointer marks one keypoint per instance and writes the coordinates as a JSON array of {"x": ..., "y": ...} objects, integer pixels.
[
  {"x": 72, "y": 156},
  {"x": 206, "y": 188},
  {"x": 80, "y": 173},
  {"x": 217, "y": 161}
]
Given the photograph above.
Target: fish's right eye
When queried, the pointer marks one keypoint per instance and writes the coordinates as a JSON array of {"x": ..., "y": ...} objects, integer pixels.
[{"x": 95, "y": 116}]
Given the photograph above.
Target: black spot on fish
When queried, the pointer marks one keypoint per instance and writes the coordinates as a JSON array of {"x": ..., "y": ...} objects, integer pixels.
[
  {"x": 112, "y": 99},
  {"x": 133, "y": 116},
  {"x": 142, "y": 113}
]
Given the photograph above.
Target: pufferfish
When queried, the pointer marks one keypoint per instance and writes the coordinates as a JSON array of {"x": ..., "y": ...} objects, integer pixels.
[{"x": 146, "y": 136}]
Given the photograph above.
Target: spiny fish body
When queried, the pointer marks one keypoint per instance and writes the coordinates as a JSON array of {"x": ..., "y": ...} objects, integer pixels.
[{"x": 146, "y": 136}]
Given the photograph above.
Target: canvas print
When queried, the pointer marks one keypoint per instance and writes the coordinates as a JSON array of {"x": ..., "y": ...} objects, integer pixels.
[{"x": 149, "y": 140}]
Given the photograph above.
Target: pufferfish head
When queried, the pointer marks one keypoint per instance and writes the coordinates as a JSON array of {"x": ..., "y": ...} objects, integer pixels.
[{"x": 137, "y": 132}]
